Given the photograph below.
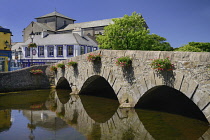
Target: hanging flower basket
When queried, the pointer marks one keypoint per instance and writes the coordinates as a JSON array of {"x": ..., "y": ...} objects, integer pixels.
[
  {"x": 32, "y": 45},
  {"x": 123, "y": 61},
  {"x": 160, "y": 65},
  {"x": 94, "y": 57},
  {"x": 61, "y": 65},
  {"x": 53, "y": 68},
  {"x": 36, "y": 72},
  {"x": 72, "y": 63}
]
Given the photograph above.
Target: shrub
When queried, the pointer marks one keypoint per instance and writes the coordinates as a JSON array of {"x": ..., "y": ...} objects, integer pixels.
[
  {"x": 124, "y": 61},
  {"x": 61, "y": 65},
  {"x": 72, "y": 63},
  {"x": 94, "y": 57},
  {"x": 162, "y": 65},
  {"x": 37, "y": 71},
  {"x": 53, "y": 68}
]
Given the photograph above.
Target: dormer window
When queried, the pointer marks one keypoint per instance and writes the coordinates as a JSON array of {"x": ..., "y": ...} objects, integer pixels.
[{"x": 64, "y": 22}]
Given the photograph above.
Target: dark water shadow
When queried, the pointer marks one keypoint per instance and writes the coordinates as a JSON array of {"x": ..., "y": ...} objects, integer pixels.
[
  {"x": 165, "y": 126},
  {"x": 99, "y": 109}
]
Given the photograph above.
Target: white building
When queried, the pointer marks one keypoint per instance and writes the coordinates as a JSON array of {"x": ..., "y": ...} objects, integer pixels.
[{"x": 57, "y": 38}]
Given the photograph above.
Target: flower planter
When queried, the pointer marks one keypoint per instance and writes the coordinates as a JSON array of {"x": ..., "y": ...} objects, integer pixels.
[{"x": 124, "y": 61}]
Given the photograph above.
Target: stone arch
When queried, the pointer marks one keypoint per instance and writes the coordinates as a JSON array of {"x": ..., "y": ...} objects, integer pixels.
[
  {"x": 98, "y": 86},
  {"x": 167, "y": 99},
  {"x": 63, "y": 84}
]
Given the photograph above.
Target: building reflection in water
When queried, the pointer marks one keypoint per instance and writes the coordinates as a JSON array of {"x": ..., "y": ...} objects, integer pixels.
[{"x": 5, "y": 120}]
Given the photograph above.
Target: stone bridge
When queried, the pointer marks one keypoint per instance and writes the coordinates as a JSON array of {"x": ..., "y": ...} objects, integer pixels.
[{"x": 131, "y": 85}]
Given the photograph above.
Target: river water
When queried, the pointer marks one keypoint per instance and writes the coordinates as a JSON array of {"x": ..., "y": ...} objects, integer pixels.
[{"x": 55, "y": 115}]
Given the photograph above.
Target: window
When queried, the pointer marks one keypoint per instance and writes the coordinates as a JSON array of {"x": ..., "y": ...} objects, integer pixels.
[
  {"x": 89, "y": 49},
  {"x": 64, "y": 22},
  {"x": 95, "y": 48},
  {"x": 70, "y": 50},
  {"x": 27, "y": 52},
  {"x": 41, "y": 51},
  {"x": 82, "y": 50},
  {"x": 50, "y": 51},
  {"x": 60, "y": 50}
]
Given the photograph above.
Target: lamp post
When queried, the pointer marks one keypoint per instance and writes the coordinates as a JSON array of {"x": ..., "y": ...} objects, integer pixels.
[
  {"x": 32, "y": 35},
  {"x": 19, "y": 51}
]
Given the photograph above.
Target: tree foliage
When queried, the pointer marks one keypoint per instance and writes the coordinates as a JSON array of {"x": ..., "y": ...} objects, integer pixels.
[
  {"x": 195, "y": 47},
  {"x": 131, "y": 33}
]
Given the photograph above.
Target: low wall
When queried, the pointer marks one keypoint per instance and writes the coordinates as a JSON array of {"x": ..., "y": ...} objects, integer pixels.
[{"x": 24, "y": 80}]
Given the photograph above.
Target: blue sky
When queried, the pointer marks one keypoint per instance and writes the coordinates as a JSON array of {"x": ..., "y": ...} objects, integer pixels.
[{"x": 179, "y": 21}]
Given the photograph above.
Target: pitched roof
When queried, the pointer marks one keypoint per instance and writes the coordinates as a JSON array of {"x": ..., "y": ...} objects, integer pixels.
[
  {"x": 4, "y": 30},
  {"x": 44, "y": 26},
  {"x": 55, "y": 13},
  {"x": 61, "y": 39},
  {"x": 89, "y": 24}
]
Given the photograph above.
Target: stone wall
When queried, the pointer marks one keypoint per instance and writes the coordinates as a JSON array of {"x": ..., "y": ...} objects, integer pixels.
[{"x": 24, "y": 80}]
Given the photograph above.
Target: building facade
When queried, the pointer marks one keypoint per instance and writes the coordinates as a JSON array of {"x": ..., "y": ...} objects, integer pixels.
[
  {"x": 5, "y": 49},
  {"x": 57, "y": 37}
]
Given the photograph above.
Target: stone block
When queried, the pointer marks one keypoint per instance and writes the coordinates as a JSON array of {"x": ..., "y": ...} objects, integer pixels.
[
  {"x": 112, "y": 78},
  {"x": 158, "y": 79},
  {"x": 203, "y": 101},
  {"x": 178, "y": 80},
  {"x": 142, "y": 86},
  {"x": 106, "y": 73},
  {"x": 192, "y": 88},
  {"x": 117, "y": 86},
  {"x": 206, "y": 112},
  {"x": 184, "y": 87}
]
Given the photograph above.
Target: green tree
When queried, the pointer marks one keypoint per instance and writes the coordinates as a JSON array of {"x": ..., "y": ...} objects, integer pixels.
[
  {"x": 158, "y": 43},
  {"x": 130, "y": 33},
  {"x": 188, "y": 48},
  {"x": 195, "y": 47},
  {"x": 204, "y": 46}
]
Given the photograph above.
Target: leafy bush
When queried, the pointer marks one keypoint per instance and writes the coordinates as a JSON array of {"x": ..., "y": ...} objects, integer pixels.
[{"x": 123, "y": 61}]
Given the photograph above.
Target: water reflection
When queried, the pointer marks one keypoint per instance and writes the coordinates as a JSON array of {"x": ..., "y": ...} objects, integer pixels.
[
  {"x": 5, "y": 117},
  {"x": 60, "y": 116},
  {"x": 100, "y": 118}
]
